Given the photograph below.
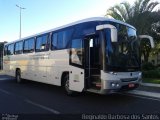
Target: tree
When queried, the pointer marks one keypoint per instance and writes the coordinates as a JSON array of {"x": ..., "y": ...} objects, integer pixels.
[
  {"x": 1, "y": 54},
  {"x": 1, "y": 47},
  {"x": 140, "y": 15},
  {"x": 156, "y": 34}
]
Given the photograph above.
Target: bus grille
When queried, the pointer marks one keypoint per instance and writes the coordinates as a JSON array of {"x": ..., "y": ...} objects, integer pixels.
[{"x": 129, "y": 79}]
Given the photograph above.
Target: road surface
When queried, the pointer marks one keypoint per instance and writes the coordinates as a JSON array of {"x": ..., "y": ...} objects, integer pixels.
[{"x": 38, "y": 98}]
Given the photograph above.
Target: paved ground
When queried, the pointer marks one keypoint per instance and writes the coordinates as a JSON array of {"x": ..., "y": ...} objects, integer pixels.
[{"x": 34, "y": 98}]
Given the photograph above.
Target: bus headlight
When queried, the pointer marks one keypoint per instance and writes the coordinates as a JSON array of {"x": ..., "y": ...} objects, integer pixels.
[
  {"x": 115, "y": 85},
  {"x": 113, "y": 73},
  {"x": 140, "y": 74}
]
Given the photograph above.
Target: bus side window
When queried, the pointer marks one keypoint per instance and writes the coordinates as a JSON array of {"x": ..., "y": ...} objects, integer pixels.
[
  {"x": 10, "y": 49},
  {"x": 67, "y": 36},
  {"x": 28, "y": 45},
  {"x": 61, "y": 39},
  {"x": 43, "y": 47},
  {"x": 5, "y": 50},
  {"x": 54, "y": 41},
  {"x": 77, "y": 52},
  {"x": 31, "y": 45},
  {"x": 18, "y": 47},
  {"x": 42, "y": 43},
  {"x": 25, "y": 49}
]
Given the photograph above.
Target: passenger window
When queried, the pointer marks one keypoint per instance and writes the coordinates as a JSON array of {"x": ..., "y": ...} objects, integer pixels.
[
  {"x": 77, "y": 52},
  {"x": 26, "y": 46},
  {"x": 18, "y": 47},
  {"x": 61, "y": 42},
  {"x": 10, "y": 50},
  {"x": 61, "y": 39},
  {"x": 84, "y": 28},
  {"x": 42, "y": 43},
  {"x": 67, "y": 36},
  {"x": 54, "y": 41},
  {"x": 29, "y": 45}
]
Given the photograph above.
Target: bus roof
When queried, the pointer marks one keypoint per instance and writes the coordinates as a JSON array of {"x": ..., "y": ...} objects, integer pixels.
[{"x": 74, "y": 23}]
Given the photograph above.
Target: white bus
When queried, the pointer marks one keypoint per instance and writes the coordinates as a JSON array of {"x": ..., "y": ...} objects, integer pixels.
[{"x": 97, "y": 54}]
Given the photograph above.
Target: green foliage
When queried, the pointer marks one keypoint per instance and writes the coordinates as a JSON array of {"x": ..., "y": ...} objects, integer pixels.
[
  {"x": 156, "y": 50},
  {"x": 152, "y": 80},
  {"x": 148, "y": 66},
  {"x": 151, "y": 74},
  {"x": 1, "y": 47},
  {"x": 150, "y": 71},
  {"x": 135, "y": 13},
  {"x": 141, "y": 16}
]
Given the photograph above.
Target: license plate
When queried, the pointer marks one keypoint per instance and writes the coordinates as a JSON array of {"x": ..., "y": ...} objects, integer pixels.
[{"x": 131, "y": 85}]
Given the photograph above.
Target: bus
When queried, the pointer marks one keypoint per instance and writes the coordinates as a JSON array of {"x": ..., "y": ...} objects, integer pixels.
[{"x": 97, "y": 54}]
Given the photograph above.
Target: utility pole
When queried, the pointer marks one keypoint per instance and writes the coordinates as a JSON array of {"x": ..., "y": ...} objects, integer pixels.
[{"x": 20, "y": 8}]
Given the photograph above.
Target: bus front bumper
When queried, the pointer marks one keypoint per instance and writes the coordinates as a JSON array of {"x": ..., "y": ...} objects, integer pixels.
[{"x": 113, "y": 86}]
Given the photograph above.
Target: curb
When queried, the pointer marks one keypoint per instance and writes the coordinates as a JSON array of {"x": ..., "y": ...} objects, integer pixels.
[
  {"x": 145, "y": 93},
  {"x": 150, "y": 85}
]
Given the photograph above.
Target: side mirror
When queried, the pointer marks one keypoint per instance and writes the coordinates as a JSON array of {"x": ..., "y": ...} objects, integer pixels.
[
  {"x": 150, "y": 39},
  {"x": 112, "y": 28},
  {"x": 114, "y": 35}
]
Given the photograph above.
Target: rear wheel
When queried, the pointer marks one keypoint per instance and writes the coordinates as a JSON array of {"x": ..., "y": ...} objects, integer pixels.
[
  {"x": 18, "y": 76},
  {"x": 66, "y": 86}
]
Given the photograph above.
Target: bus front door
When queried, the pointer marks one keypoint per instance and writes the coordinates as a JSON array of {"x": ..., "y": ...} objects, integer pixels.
[{"x": 92, "y": 61}]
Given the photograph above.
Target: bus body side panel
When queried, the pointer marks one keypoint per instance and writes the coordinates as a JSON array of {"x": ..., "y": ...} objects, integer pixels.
[
  {"x": 9, "y": 65},
  {"x": 76, "y": 79},
  {"x": 57, "y": 64}
]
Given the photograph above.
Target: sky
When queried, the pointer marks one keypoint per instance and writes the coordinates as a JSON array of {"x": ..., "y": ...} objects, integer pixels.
[{"x": 42, "y": 15}]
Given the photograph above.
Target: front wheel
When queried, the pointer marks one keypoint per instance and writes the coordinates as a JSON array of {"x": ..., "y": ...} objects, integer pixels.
[{"x": 66, "y": 86}]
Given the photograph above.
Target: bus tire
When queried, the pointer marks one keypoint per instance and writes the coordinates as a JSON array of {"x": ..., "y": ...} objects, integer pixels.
[
  {"x": 66, "y": 86},
  {"x": 18, "y": 76}
]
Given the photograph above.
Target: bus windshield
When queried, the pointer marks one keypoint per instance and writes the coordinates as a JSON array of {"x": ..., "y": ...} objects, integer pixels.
[{"x": 123, "y": 55}]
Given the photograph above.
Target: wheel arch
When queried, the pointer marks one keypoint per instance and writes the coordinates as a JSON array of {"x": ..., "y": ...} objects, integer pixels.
[
  {"x": 62, "y": 76},
  {"x": 17, "y": 70}
]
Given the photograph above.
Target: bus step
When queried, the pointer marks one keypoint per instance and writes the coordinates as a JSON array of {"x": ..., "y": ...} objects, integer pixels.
[
  {"x": 95, "y": 77},
  {"x": 97, "y": 84},
  {"x": 94, "y": 90}
]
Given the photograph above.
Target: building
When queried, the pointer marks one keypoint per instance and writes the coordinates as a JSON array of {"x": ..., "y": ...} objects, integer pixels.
[{"x": 1, "y": 54}]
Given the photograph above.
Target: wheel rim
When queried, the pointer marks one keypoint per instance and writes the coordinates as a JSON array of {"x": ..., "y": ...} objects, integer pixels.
[
  {"x": 67, "y": 85},
  {"x": 18, "y": 77}
]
